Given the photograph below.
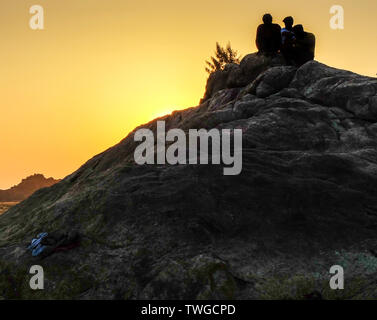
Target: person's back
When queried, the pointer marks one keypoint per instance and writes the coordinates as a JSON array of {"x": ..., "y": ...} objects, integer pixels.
[
  {"x": 268, "y": 39},
  {"x": 309, "y": 43},
  {"x": 304, "y": 45}
]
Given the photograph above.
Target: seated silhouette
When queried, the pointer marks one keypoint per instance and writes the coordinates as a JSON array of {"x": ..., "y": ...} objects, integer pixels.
[
  {"x": 304, "y": 45},
  {"x": 268, "y": 36},
  {"x": 288, "y": 39}
]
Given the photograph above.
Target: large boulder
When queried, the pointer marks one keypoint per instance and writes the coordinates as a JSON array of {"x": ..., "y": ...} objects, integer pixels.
[
  {"x": 338, "y": 88},
  {"x": 306, "y": 200},
  {"x": 237, "y": 76},
  {"x": 271, "y": 81}
]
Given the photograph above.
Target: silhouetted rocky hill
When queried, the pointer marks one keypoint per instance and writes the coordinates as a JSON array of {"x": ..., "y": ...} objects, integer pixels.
[
  {"x": 26, "y": 188},
  {"x": 305, "y": 200}
]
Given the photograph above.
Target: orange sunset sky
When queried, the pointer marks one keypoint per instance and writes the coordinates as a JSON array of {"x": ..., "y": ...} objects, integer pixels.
[{"x": 102, "y": 67}]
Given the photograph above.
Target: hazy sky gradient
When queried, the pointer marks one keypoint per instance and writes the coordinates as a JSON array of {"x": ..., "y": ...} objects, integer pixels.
[{"x": 101, "y": 67}]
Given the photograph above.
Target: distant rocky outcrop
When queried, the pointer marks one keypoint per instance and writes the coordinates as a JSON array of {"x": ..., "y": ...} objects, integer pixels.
[
  {"x": 306, "y": 200},
  {"x": 26, "y": 188}
]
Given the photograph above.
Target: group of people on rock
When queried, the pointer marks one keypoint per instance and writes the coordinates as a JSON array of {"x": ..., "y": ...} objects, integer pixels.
[{"x": 296, "y": 45}]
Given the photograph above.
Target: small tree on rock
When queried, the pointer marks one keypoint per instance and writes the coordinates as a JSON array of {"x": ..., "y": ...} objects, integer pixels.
[{"x": 222, "y": 57}]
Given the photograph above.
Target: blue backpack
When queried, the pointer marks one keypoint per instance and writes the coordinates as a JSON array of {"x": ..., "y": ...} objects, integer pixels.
[{"x": 36, "y": 247}]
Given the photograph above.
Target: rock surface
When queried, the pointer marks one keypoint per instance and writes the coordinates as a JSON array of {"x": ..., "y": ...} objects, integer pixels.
[
  {"x": 237, "y": 76},
  {"x": 306, "y": 200}
]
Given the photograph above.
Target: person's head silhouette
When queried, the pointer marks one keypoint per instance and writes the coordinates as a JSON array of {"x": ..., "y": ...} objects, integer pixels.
[
  {"x": 267, "y": 18},
  {"x": 288, "y": 21},
  {"x": 299, "y": 30}
]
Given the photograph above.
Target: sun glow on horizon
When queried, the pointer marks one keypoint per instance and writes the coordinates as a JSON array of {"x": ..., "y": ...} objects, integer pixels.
[{"x": 161, "y": 114}]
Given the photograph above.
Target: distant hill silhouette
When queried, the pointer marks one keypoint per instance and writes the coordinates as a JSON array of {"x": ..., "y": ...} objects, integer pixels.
[{"x": 26, "y": 188}]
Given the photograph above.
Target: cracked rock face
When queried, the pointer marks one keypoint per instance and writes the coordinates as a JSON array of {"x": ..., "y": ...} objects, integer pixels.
[{"x": 305, "y": 200}]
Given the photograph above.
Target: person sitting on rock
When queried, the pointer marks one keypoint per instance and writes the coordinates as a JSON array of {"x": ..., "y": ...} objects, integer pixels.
[
  {"x": 268, "y": 36},
  {"x": 304, "y": 45},
  {"x": 287, "y": 40}
]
